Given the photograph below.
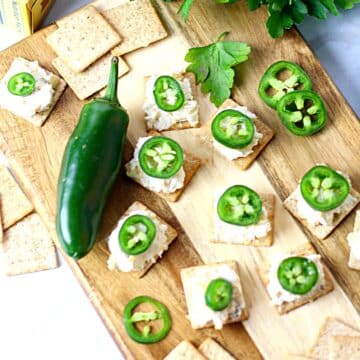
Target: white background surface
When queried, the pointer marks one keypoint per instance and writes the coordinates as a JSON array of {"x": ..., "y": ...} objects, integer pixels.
[{"x": 46, "y": 315}]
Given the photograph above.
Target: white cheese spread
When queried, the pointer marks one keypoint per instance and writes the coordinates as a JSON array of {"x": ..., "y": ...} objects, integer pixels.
[
  {"x": 161, "y": 120},
  {"x": 232, "y": 154},
  {"x": 354, "y": 242},
  {"x": 134, "y": 171},
  {"x": 40, "y": 100},
  {"x": 125, "y": 262},
  {"x": 199, "y": 313},
  {"x": 315, "y": 217},
  {"x": 226, "y": 232},
  {"x": 279, "y": 295}
]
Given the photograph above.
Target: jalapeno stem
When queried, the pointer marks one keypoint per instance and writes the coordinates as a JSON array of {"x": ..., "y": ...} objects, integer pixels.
[{"x": 111, "y": 91}]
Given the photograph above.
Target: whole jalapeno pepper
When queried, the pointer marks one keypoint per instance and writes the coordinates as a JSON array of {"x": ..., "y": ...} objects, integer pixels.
[
  {"x": 233, "y": 129},
  {"x": 168, "y": 93},
  {"x": 90, "y": 165},
  {"x": 272, "y": 89},
  {"x": 302, "y": 112},
  {"x": 297, "y": 275},
  {"x": 323, "y": 188},
  {"x": 239, "y": 205},
  {"x": 131, "y": 317},
  {"x": 218, "y": 294}
]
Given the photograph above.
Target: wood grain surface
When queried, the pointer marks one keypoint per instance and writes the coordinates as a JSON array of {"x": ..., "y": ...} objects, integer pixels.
[{"x": 35, "y": 156}]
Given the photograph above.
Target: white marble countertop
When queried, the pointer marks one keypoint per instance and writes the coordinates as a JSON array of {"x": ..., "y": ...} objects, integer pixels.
[{"x": 46, "y": 315}]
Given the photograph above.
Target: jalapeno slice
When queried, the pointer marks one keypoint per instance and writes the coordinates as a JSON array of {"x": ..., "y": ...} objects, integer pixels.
[
  {"x": 273, "y": 86},
  {"x": 323, "y": 188},
  {"x": 21, "y": 84},
  {"x": 161, "y": 157},
  {"x": 233, "y": 129},
  {"x": 136, "y": 234},
  {"x": 146, "y": 335},
  {"x": 239, "y": 205},
  {"x": 303, "y": 112},
  {"x": 297, "y": 275},
  {"x": 168, "y": 94},
  {"x": 218, "y": 294}
]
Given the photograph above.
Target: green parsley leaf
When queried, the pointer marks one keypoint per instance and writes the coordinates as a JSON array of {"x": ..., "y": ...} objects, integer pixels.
[
  {"x": 184, "y": 9},
  {"x": 212, "y": 66}
]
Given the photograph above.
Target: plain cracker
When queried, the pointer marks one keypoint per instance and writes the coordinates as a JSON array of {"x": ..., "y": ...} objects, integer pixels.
[
  {"x": 331, "y": 327},
  {"x": 191, "y": 272},
  {"x": 1, "y": 226},
  {"x": 27, "y": 247},
  {"x": 83, "y": 38},
  {"x": 184, "y": 351},
  {"x": 268, "y": 133},
  {"x": 354, "y": 262},
  {"x": 214, "y": 351},
  {"x": 91, "y": 80},
  {"x": 344, "y": 348},
  {"x": 138, "y": 23},
  {"x": 320, "y": 231},
  {"x": 289, "y": 306},
  {"x": 182, "y": 124},
  {"x": 14, "y": 203},
  {"x": 269, "y": 204}
]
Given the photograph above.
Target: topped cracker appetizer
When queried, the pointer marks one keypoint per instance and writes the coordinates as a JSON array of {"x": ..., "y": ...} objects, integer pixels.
[
  {"x": 29, "y": 91},
  {"x": 238, "y": 134},
  {"x": 159, "y": 164},
  {"x": 170, "y": 102},
  {"x": 243, "y": 217},
  {"x": 322, "y": 200}
]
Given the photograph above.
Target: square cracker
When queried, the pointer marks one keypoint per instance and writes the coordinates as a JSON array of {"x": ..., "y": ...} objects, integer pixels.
[
  {"x": 181, "y": 124},
  {"x": 1, "y": 226},
  {"x": 14, "y": 203},
  {"x": 83, "y": 38},
  {"x": 331, "y": 327},
  {"x": 320, "y": 231},
  {"x": 286, "y": 307},
  {"x": 171, "y": 235},
  {"x": 191, "y": 166},
  {"x": 268, "y": 133},
  {"x": 233, "y": 314},
  {"x": 138, "y": 23},
  {"x": 184, "y": 351},
  {"x": 354, "y": 262},
  {"x": 27, "y": 247},
  {"x": 269, "y": 204},
  {"x": 91, "y": 80},
  {"x": 344, "y": 348},
  {"x": 214, "y": 351}
]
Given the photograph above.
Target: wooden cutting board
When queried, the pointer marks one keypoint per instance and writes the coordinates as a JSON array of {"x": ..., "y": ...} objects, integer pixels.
[{"x": 35, "y": 156}]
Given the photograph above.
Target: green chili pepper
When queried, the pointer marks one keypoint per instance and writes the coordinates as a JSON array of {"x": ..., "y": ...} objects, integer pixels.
[
  {"x": 239, "y": 205},
  {"x": 233, "y": 129},
  {"x": 137, "y": 234},
  {"x": 89, "y": 168},
  {"x": 323, "y": 188},
  {"x": 272, "y": 88},
  {"x": 131, "y": 317},
  {"x": 161, "y": 157},
  {"x": 298, "y": 275},
  {"x": 168, "y": 94},
  {"x": 302, "y": 112},
  {"x": 22, "y": 84},
  {"x": 218, "y": 294}
]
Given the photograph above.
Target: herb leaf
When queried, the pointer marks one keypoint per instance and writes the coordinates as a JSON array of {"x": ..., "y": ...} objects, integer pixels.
[
  {"x": 184, "y": 9},
  {"x": 212, "y": 66}
]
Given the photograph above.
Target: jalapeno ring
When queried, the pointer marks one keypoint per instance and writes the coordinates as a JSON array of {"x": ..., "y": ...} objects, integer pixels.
[
  {"x": 218, "y": 294},
  {"x": 22, "y": 84},
  {"x": 168, "y": 93},
  {"x": 233, "y": 129}
]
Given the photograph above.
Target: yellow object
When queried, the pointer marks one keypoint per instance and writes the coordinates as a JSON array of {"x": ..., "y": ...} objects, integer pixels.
[{"x": 23, "y": 16}]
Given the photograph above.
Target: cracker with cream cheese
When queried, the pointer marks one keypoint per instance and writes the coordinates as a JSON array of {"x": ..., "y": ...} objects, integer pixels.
[
  {"x": 332, "y": 327},
  {"x": 184, "y": 351},
  {"x": 269, "y": 204},
  {"x": 354, "y": 261},
  {"x": 319, "y": 230},
  {"x": 214, "y": 351},
  {"x": 195, "y": 281},
  {"x": 286, "y": 307},
  {"x": 267, "y": 134},
  {"x": 169, "y": 235},
  {"x": 181, "y": 122}
]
